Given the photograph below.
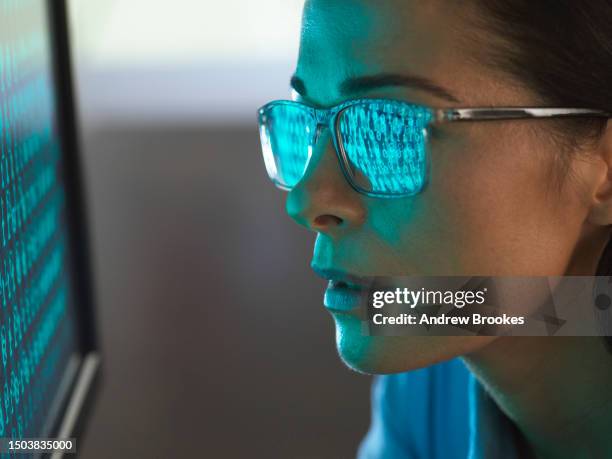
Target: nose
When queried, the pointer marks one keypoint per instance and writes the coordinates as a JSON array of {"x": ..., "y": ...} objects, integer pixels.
[{"x": 323, "y": 201}]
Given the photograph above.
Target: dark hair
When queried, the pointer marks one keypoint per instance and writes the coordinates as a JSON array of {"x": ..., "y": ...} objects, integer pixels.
[{"x": 562, "y": 49}]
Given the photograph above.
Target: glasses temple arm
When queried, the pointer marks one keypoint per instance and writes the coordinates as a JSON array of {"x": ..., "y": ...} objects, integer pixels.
[{"x": 508, "y": 113}]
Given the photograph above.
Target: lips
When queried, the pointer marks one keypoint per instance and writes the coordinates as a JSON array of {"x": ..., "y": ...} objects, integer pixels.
[
  {"x": 343, "y": 284},
  {"x": 340, "y": 297},
  {"x": 341, "y": 277},
  {"x": 345, "y": 292}
]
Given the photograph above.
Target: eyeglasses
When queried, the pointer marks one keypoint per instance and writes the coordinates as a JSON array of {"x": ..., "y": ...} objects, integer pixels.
[{"x": 381, "y": 144}]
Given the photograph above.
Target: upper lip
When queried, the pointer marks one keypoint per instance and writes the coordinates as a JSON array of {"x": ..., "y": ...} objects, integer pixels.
[{"x": 339, "y": 276}]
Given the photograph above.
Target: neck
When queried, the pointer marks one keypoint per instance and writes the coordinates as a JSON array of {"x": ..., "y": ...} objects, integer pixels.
[{"x": 557, "y": 390}]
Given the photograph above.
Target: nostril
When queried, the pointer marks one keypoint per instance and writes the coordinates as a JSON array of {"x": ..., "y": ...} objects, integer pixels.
[{"x": 326, "y": 221}]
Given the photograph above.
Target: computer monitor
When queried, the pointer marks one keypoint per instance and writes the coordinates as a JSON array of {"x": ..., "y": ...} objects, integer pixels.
[{"x": 48, "y": 351}]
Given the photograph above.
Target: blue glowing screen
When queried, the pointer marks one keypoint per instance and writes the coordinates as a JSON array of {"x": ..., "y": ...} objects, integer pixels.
[{"x": 38, "y": 331}]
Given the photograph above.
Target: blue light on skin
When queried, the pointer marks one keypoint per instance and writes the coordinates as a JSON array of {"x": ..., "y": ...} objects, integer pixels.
[
  {"x": 344, "y": 295},
  {"x": 341, "y": 298},
  {"x": 489, "y": 208}
]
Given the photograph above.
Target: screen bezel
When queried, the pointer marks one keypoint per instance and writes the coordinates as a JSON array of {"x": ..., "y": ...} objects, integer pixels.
[{"x": 74, "y": 409}]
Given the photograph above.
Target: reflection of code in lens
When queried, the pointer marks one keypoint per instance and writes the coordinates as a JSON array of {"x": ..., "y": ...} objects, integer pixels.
[
  {"x": 385, "y": 145},
  {"x": 37, "y": 327}
]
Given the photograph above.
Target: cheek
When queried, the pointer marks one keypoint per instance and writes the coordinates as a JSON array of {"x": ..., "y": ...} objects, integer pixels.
[
  {"x": 502, "y": 209},
  {"x": 491, "y": 208}
]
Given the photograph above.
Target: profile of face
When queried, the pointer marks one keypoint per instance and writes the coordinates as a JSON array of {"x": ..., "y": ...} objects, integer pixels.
[{"x": 499, "y": 199}]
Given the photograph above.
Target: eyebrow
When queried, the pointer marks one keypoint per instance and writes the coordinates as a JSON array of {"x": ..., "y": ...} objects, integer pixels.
[{"x": 365, "y": 83}]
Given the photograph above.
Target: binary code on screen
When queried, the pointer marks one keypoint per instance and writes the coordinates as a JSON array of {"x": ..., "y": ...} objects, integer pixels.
[{"x": 37, "y": 320}]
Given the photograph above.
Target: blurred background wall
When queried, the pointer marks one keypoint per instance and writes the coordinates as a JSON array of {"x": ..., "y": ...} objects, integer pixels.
[{"x": 215, "y": 340}]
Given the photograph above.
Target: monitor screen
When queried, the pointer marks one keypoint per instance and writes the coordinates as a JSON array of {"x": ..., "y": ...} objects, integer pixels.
[{"x": 40, "y": 341}]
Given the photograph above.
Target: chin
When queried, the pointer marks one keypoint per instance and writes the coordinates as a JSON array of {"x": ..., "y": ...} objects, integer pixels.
[{"x": 397, "y": 354}]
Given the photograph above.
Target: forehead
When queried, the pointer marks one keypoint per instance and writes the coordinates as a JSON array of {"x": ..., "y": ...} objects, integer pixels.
[{"x": 351, "y": 38}]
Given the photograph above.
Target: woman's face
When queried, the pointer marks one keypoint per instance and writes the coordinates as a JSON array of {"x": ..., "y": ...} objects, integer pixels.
[{"x": 494, "y": 205}]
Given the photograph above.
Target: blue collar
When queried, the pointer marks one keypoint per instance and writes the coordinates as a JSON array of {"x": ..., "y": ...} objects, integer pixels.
[{"x": 492, "y": 434}]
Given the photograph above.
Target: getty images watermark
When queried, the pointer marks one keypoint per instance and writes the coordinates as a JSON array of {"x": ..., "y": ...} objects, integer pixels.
[{"x": 519, "y": 306}]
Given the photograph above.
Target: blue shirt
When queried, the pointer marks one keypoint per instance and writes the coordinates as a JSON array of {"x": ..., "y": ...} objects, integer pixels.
[{"x": 439, "y": 412}]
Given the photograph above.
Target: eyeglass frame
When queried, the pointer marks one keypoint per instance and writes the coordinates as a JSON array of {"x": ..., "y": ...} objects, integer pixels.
[{"x": 329, "y": 117}]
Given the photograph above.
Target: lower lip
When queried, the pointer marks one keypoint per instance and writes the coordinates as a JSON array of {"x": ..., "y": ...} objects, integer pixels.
[{"x": 340, "y": 297}]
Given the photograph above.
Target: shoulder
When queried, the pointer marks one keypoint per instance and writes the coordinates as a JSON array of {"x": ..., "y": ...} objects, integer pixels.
[{"x": 420, "y": 414}]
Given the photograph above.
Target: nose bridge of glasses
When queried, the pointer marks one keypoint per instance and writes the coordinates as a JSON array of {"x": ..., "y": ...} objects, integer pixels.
[
  {"x": 322, "y": 118},
  {"x": 318, "y": 131}
]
